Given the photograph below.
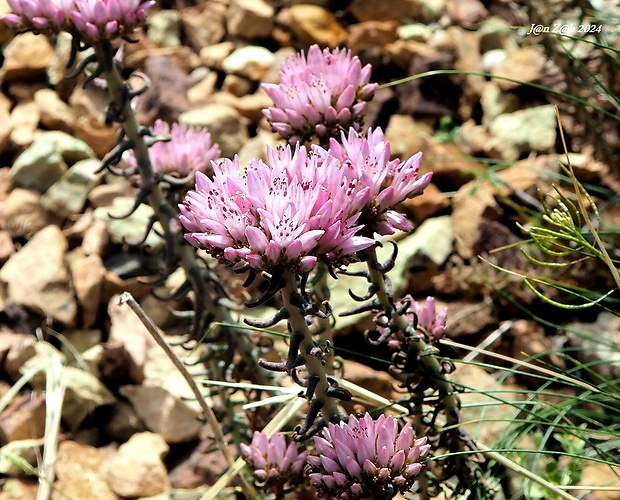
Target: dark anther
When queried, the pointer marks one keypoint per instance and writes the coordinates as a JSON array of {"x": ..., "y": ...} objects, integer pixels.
[
  {"x": 276, "y": 283},
  {"x": 389, "y": 264},
  {"x": 372, "y": 289},
  {"x": 143, "y": 194},
  {"x": 81, "y": 66},
  {"x": 281, "y": 314}
]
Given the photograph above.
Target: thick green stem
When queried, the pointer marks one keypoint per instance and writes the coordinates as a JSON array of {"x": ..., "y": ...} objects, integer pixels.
[{"x": 314, "y": 364}]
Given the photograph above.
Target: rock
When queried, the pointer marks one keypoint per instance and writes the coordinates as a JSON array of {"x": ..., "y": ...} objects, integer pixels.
[
  {"x": 80, "y": 341},
  {"x": 379, "y": 382},
  {"x": 163, "y": 28},
  {"x": 314, "y": 24},
  {"x": 26, "y": 58},
  {"x": 24, "y": 91},
  {"x": 70, "y": 148},
  {"x": 248, "y": 106},
  {"x": 467, "y": 318},
  {"x": 46, "y": 287},
  {"x": 163, "y": 413},
  {"x": 96, "y": 239},
  {"x": 80, "y": 472},
  {"x": 18, "y": 488},
  {"x": 137, "y": 469},
  {"x": 115, "y": 365},
  {"x": 87, "y": 275},
  {"x": 224, "y": 124},
  {"x": 495, "y": 33},
  {"x": 212, "y": 56},
  {"x": 432, "y": 201},
  {"x": 57, "y": 67},
  {"x": 23, "y": 450},
  {"x": 250, "y": 19},
  {"x": 204, "y": 25},
  {"x": 466, "y": 12},
  {"x": 129, "y": 229},
  {"x": 492, "y": 59},
  {"x": 414, "y": 31},
  {"x": 202, "y": 90},
  {"x": 371, "y": 34},
  {"x": 525, "y": 64},
  {"x": 39, "y": 166},
  {"x": 251, "y": 61},
  {"x": 55, "y": 113},
  {"x": 124, "y": 422},
  {"x": 597, "y": 474},
  {"x": 495, "y": 102},
  {"x": 23, "y": 124},
  {"x": 237, "y": 85},
  {"x": 424, "y": 11},
  {"x": 105, "y": 194},
  {"x": 23, "y": 418},
  {"x": 256, "y": 147},
  {"x": 524, "y": 131},
  {"x": 20, "y": 350},
  {"x": 100, "y": 137},
  {"x": 470, "y": 205},
  {"x": 6, "y": 246},
  {"x": 83, "y": 395}
]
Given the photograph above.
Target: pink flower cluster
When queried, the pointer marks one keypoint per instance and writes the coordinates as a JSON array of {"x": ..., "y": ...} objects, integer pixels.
[
  {"x": 290, "y": 211},
  {"x": 389, "y": 181},
  {"x": 188, "y": 151},
  {"x": 94, "y": 19},
  {"x": 364, "y": 458},
  {"x": 319, "y": 95},
  {"x": 273, "y": 463},
  {"x": 40, "y": 16}
]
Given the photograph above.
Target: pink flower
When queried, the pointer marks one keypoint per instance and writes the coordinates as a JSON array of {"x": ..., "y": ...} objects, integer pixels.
[
  {"x": 430, "y": 323},
  {"x": 389, "y": 182},
  {"x": 291, "y": 211},
  {"x": 40, "y": 16},
  {"x": 188, "y": 151},
  {"x": 107, "y": 19},
  {"x": 364, "y": 458},
  {"x": 319, "y": 95},
  {"x": 273, "y": 463}
]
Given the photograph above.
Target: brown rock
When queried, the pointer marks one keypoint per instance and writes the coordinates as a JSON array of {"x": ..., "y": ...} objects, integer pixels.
[
  {"x": 137, "y": 469},
  {"x": 371, "y": 34},
  {"x": 87, "y": 274},
  {"x": 250, "y": 18},
  {"x": 96, "y": 239},
  {"x": 379, "y": 382},
  {"x": 24, "y": 91},
  {"x": 123, "y": 422},
  {"x": 466, "y": 12},
  {"x": 55, "y": 113},
  {"x": 46, "y": 287},
  {"x": 116, "y": 367},
  {"x": 213, "y": 56},
  {"x": 525, "y": 64},
  {"x": 249, "y": 106},
  {"x": 163, "y": 413},
  {"x": 24, "y": 418},
  {"x": 314, "y": 24},
  {"x": 6, "y": 246},
  {"x": 398, "y": 10},
  {"x": 427, "y": 204},
  {"x": 100, "y": 137},
  {"x": 19, "y": 488},
  {"x": 105, "y": 194},
  {"x": 204, "y": 89},
  {"x": 204, "y": 25},
  {"x": 21, "y": 349},
  {"x": 83, "y": 395},
  {"x": 79, "y": 472},
  {"x": 23, "y": 124},
  {"x": 25, "y": 58}
]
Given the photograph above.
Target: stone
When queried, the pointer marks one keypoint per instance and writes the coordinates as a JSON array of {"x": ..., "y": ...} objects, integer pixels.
[
  {"x": 203, "y": 89},
  {"x": 466, "y": 12},
  {"x": 57, "y": 67},
  {"x": 204, "y": 25},
  {"x": 249, "y": 106},
  {"x": 237, "y": 85},
  {"x": 69, "y": 194},
  {"x": 525, "y": 64},
  {"x": 132, "y": 228},
  {"x": 80, "y": 341},
  {"x": 432, "y": 201},
  {"x": 371, "y": 34},
  {"x": 496, "y": 33},
  {"x": 39, "y": 166},
  {"x": 98, "y": 136},
  {"x": 19, "y": 488},
  {"x": 7, "y": 248},
  {"x": 424, "y": 11},
  {"x": 21, "y": 349},
  {"x": 164, "y": 29},
  {"x": 123, "y": 422},
  {"x": 212, "y": 56},
  {"x": 46, "y": 288},
  {"x": 314, "y": 24},
  {"x": 137, "y": 469},
  {"x": 23, "y": 124},
  {"x": 251, "y": 61},
  {"x": 23, "y": 418},
  {"x": 250, "y": 19},
  {"x": 14, "y": 453},
  {"x": 224, "y": 124},
  {"x": 87, "y": 275},
  {"x": 414, "y": 31},
  {"x": 55, "y": 113},
  {"x": 96, "y": 239},
  {"x": 163, "y": 413},
  {"x": 70, "y": 148},
  {"x": 524, "y": 131},
  {"x": 24, "y": 214},
  {"x": 495, "y": 102},
  {"x": 376, "y": 381},
  {"x": 24, "y": 91},
  {"x": 84, "y": 393},
  {"x": 104, "y": 195},
  {"x": 80, "y": 472},
  {"x": 26, "y": 58},
  {"x": 256, "y": 147}
]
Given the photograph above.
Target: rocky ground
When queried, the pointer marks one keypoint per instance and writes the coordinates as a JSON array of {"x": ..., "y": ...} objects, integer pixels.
[{"x": 126, "y": 430}]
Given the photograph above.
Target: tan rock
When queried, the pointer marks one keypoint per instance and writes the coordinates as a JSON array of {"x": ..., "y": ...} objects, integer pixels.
[
  {"x": 105, "y": 194},
  {"x": 212, "y": 56},
  {"x": 163, "y": 412},
  {"x": 371, "y": 34},
  {"x": 204, "y": 25},
  {"x": 96, "y": 239},
  {"x": 83, "y": 395},
  {"x": 6, "y": 246},
  {"x": 87, "y": 275},
  {"x": 466, "y": 12},
  {"x": 314, "y": 24},
  {"x": 525, "y": 64},
  {"x": 427, "y": 204},
  {"x": 23, "y": 124},
  {"x": 379, "y": 382},
  {"x": 124, "y": 422},
  {"x": 12, "y": 453},
  {"x": 26, "y": 57},
  {"x": 250, "y": 18},
  {"x": 55, "y": 113},
  {"x": 21, "y": 348},
  {"x": 137, "y": 469},
  {"x": 79, "y": 472},
  {"x": 16, "y": 488},
  {"x": 204, "y": 89},
  {"x": 399, "y": 10},
  {"x": 46, "y": 287},
  {"x": 249, "y": 106},
  {"x": 24, "y": 418},
  {"x": 100, "y": 137}
]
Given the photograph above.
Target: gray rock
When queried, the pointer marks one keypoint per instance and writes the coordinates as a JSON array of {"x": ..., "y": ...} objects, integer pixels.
[
  {"x": 132, "y": 228},
  {"x": 527, "y": 130},
  {"x": 70, "y": 148},
  {"x": 164, "y": 28},
  {"x": 69, "y": 194},
  {"x": 39, "y": 166}
]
